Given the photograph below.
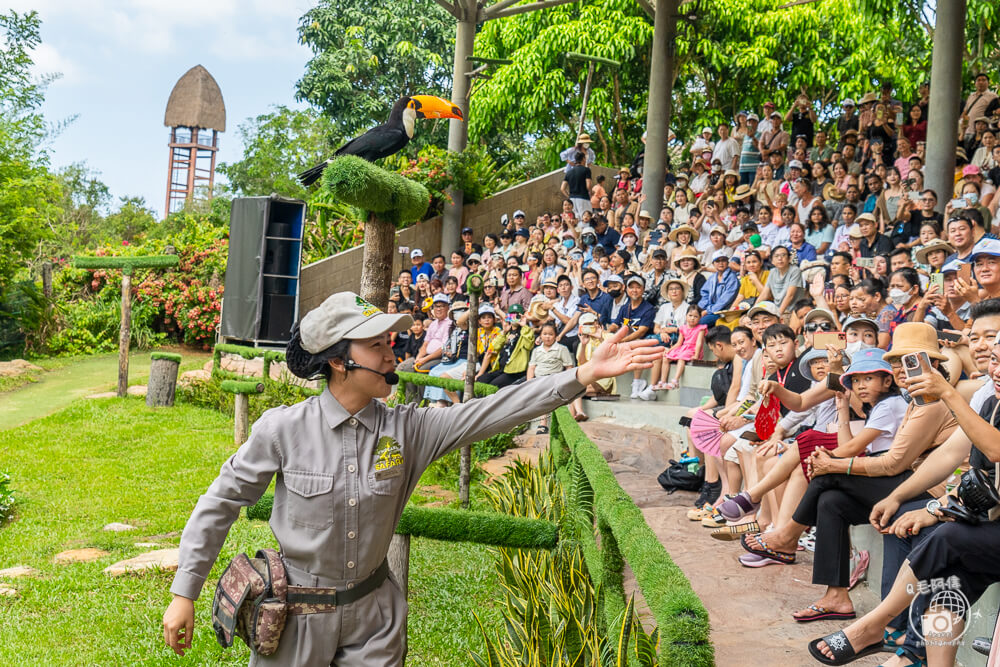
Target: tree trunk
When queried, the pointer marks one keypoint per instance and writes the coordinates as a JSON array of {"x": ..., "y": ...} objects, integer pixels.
[
  {"x": 241, "y": 419},
  {"x": 465, "y": 458},
  {"x": 399, "y": 565},
  {"x": 124, "y": 334},
  {"x": 162, "y": 383},
  {"x": 376, "y": 270}
]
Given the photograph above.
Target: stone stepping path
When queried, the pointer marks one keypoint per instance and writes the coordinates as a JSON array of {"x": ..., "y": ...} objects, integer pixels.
[
  {"x": 161, "y": 559},
  {"x": 79, "y": 555},
  {"x": 118, "y": 527}
]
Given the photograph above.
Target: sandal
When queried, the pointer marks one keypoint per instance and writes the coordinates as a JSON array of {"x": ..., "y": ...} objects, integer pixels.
[
  {"x": 580, "y": 417},
  {"x": 671, "y": 385},
  {"x": 890, "y": 640},
  {"x": 824, "y": 614},
  {"x": 808, "y": 540},
  {"x": 765, "y": 551},
  {"x": 915, "y": 660},
  {"x": 732, "y": 533},
  {"x": 841, "y": 648},
  {"x": 738, "y": 506},
  {"x": 753, "y": 560},
  {"x": 541, "y": 430},
  {"x": 860, "y": 570}
]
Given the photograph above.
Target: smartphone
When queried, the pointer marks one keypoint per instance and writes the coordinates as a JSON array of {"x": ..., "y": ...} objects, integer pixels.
[
  {"x": 823, "y": 338},
  {"x": 965, "y": 273},
  {"x": 936, "y": 279},
  {"x": 865, "y": 262},
  {"x": 511, "y": 317},
  {"x": 899, "y": 118},
  {"x": 828, "y": 295},
  {"x": 912, "y": 368},
  {"x": 833, "y": 382},
  {"x": 587, "y": 329},
  {"x": 958, "y": 203},
  {"x": 654, "y": 237},
  {"x": 950, "y": 336},
  {"x": 914, "y": 196}
]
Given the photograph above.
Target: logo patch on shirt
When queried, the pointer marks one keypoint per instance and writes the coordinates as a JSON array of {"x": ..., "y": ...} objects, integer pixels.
[
  {"x": 367, "y": 309},
  {"x": 388, "y": 459}
]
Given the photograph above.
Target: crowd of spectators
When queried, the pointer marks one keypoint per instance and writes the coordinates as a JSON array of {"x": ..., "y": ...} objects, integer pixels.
[{"x": 776, "y": 230}]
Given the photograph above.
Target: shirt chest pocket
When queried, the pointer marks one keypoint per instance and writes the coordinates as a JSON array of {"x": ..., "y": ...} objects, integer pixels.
[
  {"x": 309, "y": 501},
  {"x": 386, "y": 486}
]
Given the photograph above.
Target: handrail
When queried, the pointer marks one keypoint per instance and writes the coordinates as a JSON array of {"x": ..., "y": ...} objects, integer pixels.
[
  {"x": 450, "y": 384},
  {"x": 595, "y": 497}
]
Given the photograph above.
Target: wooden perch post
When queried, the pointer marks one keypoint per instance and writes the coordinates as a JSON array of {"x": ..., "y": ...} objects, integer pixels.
[
  {"x": 127, "y": 265},
  {"x": 390, "y": 200},
  {"x": 241, "y": 413}
]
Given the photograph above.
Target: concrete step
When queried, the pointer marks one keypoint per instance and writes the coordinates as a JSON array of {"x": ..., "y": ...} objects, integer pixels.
[{"x": 694, "y": 389}]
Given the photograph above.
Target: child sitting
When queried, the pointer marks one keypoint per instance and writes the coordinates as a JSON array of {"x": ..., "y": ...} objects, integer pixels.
[
  {"x": 548, "y": 358},
  {"x": 690, "y": 340}
]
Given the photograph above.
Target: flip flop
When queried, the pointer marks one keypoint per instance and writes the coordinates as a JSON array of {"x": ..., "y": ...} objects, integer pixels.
[
  {"x": 732, "y": 533},
  {"x": 766, "y": 551},
  {"x": 824, "y": 614},
  {"x": 841, "y": 648}
]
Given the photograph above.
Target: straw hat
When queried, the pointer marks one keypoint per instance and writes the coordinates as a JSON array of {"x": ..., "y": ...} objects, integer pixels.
[
  {"x": 912, "y": 337},
  {"x": 670, "y": 281},
  {"x": 688, "y": 253},
  {"x": 683, "y": 228},
  {"x": 584, "y": 138},
  {"x": 934, "y": 244},
  {"x": 831, "y": 191},
  {"x": 742, "y": 192},
  {"x": 868, "y": 99},
  {"x": 538, "y": 309}
]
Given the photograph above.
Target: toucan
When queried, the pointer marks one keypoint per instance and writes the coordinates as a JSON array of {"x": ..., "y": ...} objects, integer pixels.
[{"x": 391, "y": 136}]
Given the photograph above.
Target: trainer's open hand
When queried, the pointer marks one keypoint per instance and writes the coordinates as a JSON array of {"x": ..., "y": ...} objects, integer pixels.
[
  {"x": 178, "y": 624},
  {"x": 613, "y": 357}
]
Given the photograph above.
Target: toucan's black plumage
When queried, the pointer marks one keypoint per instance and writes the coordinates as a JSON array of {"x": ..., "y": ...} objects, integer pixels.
[{"x": 390, "y": 137}]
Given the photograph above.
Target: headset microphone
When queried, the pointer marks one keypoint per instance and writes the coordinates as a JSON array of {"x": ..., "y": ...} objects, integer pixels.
[{"x": 390, "y": 377}]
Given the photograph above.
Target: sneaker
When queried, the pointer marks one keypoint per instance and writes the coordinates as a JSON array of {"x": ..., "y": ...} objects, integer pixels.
[
  {"x": 714, "y": 520},
  {"x": 647, "y": 394},
  {"x": 712, "y": 491},
  {"x": 638, "y": 385},
  {"x": 753, "y": 560},
  {"x": 699, "y": 513},
  {"x": 702, "y": 493}
]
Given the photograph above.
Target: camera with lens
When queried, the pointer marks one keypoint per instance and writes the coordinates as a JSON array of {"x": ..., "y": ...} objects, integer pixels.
[{"x": 976, "y": 496}]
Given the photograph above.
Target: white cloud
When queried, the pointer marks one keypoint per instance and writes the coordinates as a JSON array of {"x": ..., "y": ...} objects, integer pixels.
[{"x": 48, "y": 61}]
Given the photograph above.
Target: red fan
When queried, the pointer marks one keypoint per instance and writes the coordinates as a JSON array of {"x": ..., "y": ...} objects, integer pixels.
[
  {"x": 705, "y": 433},
  {"x": 767, "y": 418}
]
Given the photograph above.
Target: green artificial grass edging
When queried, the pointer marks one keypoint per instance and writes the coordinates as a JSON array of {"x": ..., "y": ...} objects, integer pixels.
[
  {"x": 457, "y": 526},
  {"x": 480, "y": 389},
  {"x": 166, "y": 356},
  {"x": 127, "y": 264},
  {"x": 680, "y": 615},
  {"x": 242, "y": 387},
  {"x": 389, "y": 196}
]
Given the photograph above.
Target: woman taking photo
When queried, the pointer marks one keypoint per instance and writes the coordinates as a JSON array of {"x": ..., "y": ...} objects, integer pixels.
[
  {"x": 344, "y": 464},
  {"x": 533, "y": 272}
]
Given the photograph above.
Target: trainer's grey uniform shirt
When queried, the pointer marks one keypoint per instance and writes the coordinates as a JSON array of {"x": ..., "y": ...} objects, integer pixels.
[{"x": 342, "y": 482}]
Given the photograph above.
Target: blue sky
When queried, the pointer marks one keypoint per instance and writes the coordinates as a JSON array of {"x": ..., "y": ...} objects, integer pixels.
[{"x": 119, "y": 59}]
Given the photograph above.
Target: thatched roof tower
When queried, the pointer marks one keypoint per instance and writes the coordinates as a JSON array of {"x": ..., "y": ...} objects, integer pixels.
[{"x": 196, "y": 101}]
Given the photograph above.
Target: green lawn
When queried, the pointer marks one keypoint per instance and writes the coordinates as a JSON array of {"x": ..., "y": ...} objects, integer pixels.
[{"x": 100, "y": 461}]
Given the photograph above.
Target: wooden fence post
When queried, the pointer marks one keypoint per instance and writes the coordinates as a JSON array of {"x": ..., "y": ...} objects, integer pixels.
[
  {"x": 162, "y": 385},
  {"x": 399, "y": 564},
  {"x": 241, "y": 427},
  {"x": 124, "y": 334}
]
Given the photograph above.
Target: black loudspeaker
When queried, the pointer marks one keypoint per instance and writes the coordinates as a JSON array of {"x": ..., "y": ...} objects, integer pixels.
[
  {"x": 277, "y": 317},
  {"x": 277, "y": 260}
]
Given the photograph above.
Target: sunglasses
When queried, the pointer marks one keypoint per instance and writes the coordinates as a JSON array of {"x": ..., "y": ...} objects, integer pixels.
[{"x": 818, "y": 326}]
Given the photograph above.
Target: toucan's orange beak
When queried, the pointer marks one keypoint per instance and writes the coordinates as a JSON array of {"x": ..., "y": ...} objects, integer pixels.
[{"x": 429, "y": 106}]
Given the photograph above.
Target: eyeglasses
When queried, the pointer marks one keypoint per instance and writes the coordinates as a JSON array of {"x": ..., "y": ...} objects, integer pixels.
[{"x": 820, "y": 326}]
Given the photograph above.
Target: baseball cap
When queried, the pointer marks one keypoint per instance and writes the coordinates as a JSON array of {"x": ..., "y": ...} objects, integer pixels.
[
  {"x": 515, "y": 308},
  {"x": 970, "y": 170},
  {"x": 614, "y": 278},
  {"x": 795, "y": 164},
  {"x": 587, "y": 229},
  {"x": 848, "y": 102},
  {"x": 753, "y": 116},
  {"x": 985, "y": 248},
  {"x": 486, "y": 309},
  {"x": 440, "y": 297},
  {"x": 819, "y": 313},
  {"x": 346, "y": 316},
  {"x": 720, "y": 254},
  {"x": 659, "y": 253},
  {"x": 522, "y": 232},
  {"x": 706, "y": 129},
  {"x": 861, "y": 319},
  {"x": 416, "y": 252},
  {"x": 865, "y": 216},
  {"x": 763, "y": 307},
  {"x": 854, "y": 231},
  {"x": 588, "y": 318},
  {"x": 749, "y": 227},
  {"x": 635, "y": 279},
  {"x": 466, "y": 230},
  {"x": 952, "y": 266}
]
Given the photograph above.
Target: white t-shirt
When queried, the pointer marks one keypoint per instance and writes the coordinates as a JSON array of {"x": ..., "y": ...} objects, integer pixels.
[
  {"x": 669, "y": 316},
  {"x": 746, "y": 377},
  {"x": 886, "y": 417},
  {"x": 982, "y": 394},
  {"x": 725, "y": 150}
]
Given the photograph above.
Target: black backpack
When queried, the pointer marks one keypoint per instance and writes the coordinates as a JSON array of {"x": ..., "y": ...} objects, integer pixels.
[{"x": 677, "y": 477}]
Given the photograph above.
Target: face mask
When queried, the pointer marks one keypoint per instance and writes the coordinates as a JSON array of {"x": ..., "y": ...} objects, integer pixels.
[
  {"x": 898, "y": 297},
  {"x": 614, "y": 293},
  {"x": 853, "y": 348},
  {"x": 972, "y": 198},
  {"x": 589, "y": 239},
  {"x": 568, "y": 243}
]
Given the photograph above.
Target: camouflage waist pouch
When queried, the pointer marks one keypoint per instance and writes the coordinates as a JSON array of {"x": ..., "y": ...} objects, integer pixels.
[{"x": 250, "y": 602}]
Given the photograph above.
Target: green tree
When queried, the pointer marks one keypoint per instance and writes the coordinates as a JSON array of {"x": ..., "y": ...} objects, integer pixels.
[
  {"x": 366, "y": 55},
  {"x": 276, "y": 146}
]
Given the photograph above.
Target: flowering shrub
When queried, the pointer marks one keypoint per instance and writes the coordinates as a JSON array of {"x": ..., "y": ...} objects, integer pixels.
[
  {"x": 6, "y": 498},
  {"x": 181, "y": 304}
]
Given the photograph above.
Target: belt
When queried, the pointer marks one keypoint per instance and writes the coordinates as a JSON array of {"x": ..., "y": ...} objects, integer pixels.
[{"x": 313, "y": 600}]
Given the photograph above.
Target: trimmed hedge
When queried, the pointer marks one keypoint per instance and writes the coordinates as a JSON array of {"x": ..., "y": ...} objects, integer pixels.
[
  {"x": 166, "y": 356},
  {"x": 388, "y": 195},
  {"x": 593, "y": 491},
  {"x": 457, "y": 526},
  {"x": 126, "y": 264}
]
